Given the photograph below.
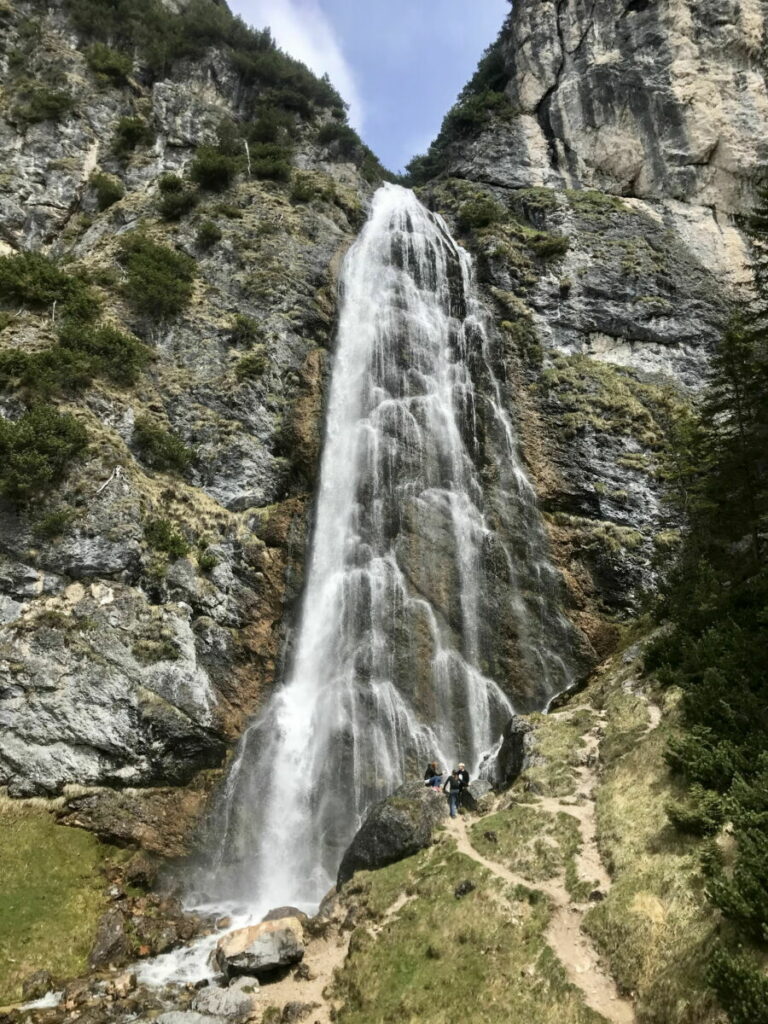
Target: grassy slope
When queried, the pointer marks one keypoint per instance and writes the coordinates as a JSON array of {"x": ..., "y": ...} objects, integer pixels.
[
  {"x": 51, "y": 895},
  {"x": 439, "y": 959}
]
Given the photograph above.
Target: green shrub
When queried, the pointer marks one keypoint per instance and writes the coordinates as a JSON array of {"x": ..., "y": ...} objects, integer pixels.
[
  {"x": 344, "y": 140},
  {"x": 159, "y": 448},
  {"x": 54, "y": 523},
  {"x": 170, "y": 182},
  {"x": 130, "y": 133},
  {"x": 701, "y": 814},
  {"x": 213, "y": 170},
  {"x": 109, "y": 190},
  {"x": 206, "y": 560},
  {"x": 245, "y": 331},
  {"x": 549, "y": 246},
  {"x": 160, "y": 280},
  {"x": 272, "y": 125},
  {"x": 175, "y": 205},
  {"x": 479, "y": 213},
  {"x": 741, "y": 986},
  {"x": 111, "y": 353},
  {"x": 271, "y": 161},
  {"x": 208, "y": 234},
  {"x": 109, "y": 66},
  {"x": 252, "y": 365},
  {"x": 36, "y": 451},
  {"x": 161, "y": 536},
  {"x": 303, "y": 188},
  {"x": 33, "y": 280},
  {"x": 36, "y": 103}
]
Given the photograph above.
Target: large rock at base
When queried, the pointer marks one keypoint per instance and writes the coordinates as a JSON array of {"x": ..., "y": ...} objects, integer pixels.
[
  {"x": 502, "y": 770},
  {"x": 396, "y": 827},
  {"x": 230, "y": 1003},
  {"x": 262, "y": 948},
  {"x": 477, "y": 795}
]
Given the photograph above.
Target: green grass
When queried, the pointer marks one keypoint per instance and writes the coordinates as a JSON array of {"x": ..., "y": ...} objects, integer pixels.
[
  {"x": 534, "y": 844},
  {"x": 481, "y": 958},
  {"x": 655, "y": 926},
  {"x": 50, "y": 898},
  {"x": 557, "y": 747}
]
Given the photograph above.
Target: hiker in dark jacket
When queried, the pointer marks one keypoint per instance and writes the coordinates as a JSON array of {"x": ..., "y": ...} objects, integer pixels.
[
  {"x": 463, "y": 775},
  {"x": 453, "y": 788},
  {"x": 433, "y": 776}
]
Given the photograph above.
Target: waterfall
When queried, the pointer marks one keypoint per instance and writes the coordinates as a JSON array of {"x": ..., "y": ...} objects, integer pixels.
[{"x": 430, "y": 610}]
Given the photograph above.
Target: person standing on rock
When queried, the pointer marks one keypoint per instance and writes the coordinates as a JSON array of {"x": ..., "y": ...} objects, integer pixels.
[
  {"x": 453, "y": 788},
  {"x": 463, "y": 775}
]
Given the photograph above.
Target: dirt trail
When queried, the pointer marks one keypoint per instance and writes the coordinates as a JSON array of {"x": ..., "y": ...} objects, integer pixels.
[
  {"x": 571, "y": 945},
  {"x": 322, "y": 956}
]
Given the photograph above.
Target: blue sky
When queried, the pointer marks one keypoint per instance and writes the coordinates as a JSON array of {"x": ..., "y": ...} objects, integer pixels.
[{"x": 398, "y": 63}]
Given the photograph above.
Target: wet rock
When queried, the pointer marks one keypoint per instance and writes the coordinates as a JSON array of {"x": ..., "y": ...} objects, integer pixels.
[
  {"x": 475, "y": 796},
  {"x": 230, "y": 1003},
  {"x": 280, "y": 912},
  {"x": 261, "y": 949},
  {"x": 502, "y": 770},
  {"x": 36, "y": 985},
  {"x": 396, "y": 827},
  {"x": 112, "y": 944},
  {"x": 188, "y": 1017}
]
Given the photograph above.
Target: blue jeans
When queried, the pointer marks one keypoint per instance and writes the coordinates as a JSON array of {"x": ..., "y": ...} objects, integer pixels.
[
  {"x": 436, "y": 780},
  {"x": 453, "y": 802}
]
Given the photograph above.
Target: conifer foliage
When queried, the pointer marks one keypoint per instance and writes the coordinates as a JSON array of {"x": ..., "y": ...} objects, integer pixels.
[{"x": 717, "y": 601}]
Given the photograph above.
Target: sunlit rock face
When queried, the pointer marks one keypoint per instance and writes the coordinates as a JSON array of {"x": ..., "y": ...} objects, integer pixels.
[{"x": 654, "y": 100}]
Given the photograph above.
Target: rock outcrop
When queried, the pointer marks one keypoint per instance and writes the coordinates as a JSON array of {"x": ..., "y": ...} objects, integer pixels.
[
  {"x": 128, "y": 658},
  {"x": 396, "y": 827},
  {"x": 262, "y": 948}
]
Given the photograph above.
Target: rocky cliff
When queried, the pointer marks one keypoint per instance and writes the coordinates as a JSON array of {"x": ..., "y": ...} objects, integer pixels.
[
  {"x": 597, "y": 165},
  {"x": 145, "y": 590},
  {"x": 192, "y": 193}
]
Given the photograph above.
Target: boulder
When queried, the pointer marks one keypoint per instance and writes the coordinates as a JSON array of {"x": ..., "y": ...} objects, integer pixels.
[
  {"x": 112, "y": 944},
  {"x": 280, "y": 912},
  {"x": 187, "y": 1017},
  {"x": 230, "y": 1003},
  {"x": 502, "y": 770},
  {"x": 262, "y": 948},
  {"x": 476, "y": 795},
  {"x": 36, "y": 985},
  {"x": 396, "y": 827}
]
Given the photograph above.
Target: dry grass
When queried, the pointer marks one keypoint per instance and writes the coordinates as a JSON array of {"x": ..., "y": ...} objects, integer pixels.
[{"x": 655, "y": 925}]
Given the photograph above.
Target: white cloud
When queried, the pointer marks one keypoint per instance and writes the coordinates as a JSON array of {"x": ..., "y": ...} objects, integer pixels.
[{"x": 302, "y": 29}]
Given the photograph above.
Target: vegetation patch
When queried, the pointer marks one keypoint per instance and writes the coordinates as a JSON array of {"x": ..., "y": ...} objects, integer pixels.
[
  {"x": 159, "y": 448},
  {"x": 556, "y": 745},
  {"x": 36, "y": 451},
  {"x": 534, "y": 844},
  {"x": 51, "y": 896},
  {"x": 208, "y": 234},
  {"x": 130, "y": 133},
  {"x": 109, "y": 190},
  {"x": 111, "y": 67},
  {"x": 176, "y": 200},
  {"x": 37, "y": 282},
  {"x": 439, "y": 958},
  {"x": 252, "y": 365},
  {"x": 159, "y": 281},
  {"x": 160, "y": 534}
]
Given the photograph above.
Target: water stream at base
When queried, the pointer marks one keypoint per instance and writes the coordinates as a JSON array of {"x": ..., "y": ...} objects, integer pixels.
[{"x": 431, "y": 610}]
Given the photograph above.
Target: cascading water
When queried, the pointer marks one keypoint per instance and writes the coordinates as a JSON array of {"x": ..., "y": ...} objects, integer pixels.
[
  {"x": 431, "y": 610},
  {"x": 410, "y": 567}
]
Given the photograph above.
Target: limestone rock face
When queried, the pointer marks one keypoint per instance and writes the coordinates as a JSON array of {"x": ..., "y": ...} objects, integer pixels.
[
  {"x": 396, "y": 827},
  {"x": 122, "y": 664},
  {"x": 655, "y": 100},
  {"x": 261, "y": 949},
  {"x": 502, "y": 770}
]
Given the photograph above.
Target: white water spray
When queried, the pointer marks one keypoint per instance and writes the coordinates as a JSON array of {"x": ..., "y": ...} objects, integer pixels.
[{"x": 430, "y": 609}]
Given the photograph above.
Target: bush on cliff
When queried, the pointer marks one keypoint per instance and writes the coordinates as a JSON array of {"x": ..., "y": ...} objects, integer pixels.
[
  {"x": 35, "y": 281},
  {"x": 160, "y": 448},
  {"x": 159, "y": 280},
  {"x": 36, "y": 451}
]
